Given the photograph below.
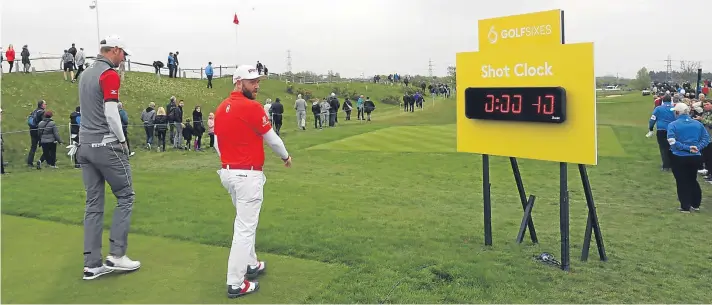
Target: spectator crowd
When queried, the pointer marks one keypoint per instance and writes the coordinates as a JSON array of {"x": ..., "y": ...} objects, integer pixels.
[{"x": 681, "y": 121}]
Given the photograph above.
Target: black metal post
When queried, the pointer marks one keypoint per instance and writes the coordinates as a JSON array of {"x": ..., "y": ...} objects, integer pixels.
[
  {"x": 487, "y": 201},
  {"x": 564, "y": 215},
  {"x": 592, "y": 222},
  {"x": 523, "y": 198},
  {"x": 525, "y": 219},
  {"x": 586, "y": 238}
]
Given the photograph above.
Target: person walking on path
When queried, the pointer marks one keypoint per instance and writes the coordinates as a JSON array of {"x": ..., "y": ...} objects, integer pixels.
[
  {"x": 49, "y": 138},
  {"x": 148, "y": 116},
  {"x": 300, "y": 105},
  {"x": 687, "y": 138},
  {"x": 68, "y": 65},
  {"x": 79, "y": 61},
  {"x": 104, "y": 157},
  {"x": 662, "y": 116},
  {"x": 209, "y": 74},
  {"x": 25, "y": 55},
  {"x": 241, "y": 127},
  {"x": 10, "y": 56},
  {"x": 35, "y": 117}
]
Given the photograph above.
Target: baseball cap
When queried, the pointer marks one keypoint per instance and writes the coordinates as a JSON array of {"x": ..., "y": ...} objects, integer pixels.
[
  {"x": 115, "y": 41},
  {"x": 680, "y": 107},
  {"x": 245, "y": 72}
]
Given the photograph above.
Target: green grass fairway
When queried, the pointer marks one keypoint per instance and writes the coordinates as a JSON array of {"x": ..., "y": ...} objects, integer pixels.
[
  {"x": 171, "y": 272},
  {"x": 437, "y": 138},
  {"x": 608, "y": 144},
  {"x": 371, "y": 212}
]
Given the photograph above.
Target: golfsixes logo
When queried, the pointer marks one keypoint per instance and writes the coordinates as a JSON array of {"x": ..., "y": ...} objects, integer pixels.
[{"x": 495, "y": 35}]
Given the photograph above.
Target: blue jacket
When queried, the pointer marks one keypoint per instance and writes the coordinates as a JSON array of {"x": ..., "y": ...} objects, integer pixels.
[
  {"x": 124, "y": 117},
  {"x": 686, "y": 132},
  {"x": 662, "y": 115},
  {"x": 171, "y": 60},
  {"x": 209, "y": 70}
]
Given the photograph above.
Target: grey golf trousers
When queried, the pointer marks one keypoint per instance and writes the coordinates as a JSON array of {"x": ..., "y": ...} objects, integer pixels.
[
  {"x": 301, "y": 118},
  {"x": 105, "y": 163}
]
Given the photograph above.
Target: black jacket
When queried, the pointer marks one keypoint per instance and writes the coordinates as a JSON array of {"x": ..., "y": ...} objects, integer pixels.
[
  {"x": 161, "y": 122},
  {"x": 74, "y": 129},
  {"x": 176, "y": 115},
  {"x": 347, "y": 105},
  {"x": 198, "y": 127},
  {"x": 334, "y": 103},
  {"x": 316, "y": 109},
  {"x": 187, "y": 131},
  {"x": 369, "y": 106},
  {"x": 277, "y": 109}
]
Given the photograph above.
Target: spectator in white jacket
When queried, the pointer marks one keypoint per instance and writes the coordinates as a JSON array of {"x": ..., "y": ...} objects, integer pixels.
[
  {"x": 268, "y": 106},
  {"x": 79, "y": 60}
]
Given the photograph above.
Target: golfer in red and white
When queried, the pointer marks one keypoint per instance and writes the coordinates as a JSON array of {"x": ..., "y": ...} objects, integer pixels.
[{"x": 241, "y": 127}]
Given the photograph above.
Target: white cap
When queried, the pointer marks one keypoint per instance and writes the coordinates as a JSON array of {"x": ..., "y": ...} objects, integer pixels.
[
  {"x": 245, "y": 72},
  {"x": 115, "y": 41},
  {"x": 680, "y": 107}
]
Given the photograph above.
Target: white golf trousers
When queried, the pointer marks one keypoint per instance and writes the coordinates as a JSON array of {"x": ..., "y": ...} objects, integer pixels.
[{"x": 246, "y": 189}]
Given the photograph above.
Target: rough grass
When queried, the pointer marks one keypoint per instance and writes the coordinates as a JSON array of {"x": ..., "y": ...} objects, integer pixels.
[{"x": 408, "y": 224}]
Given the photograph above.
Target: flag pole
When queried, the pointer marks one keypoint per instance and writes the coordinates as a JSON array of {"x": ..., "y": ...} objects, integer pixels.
[
  {"x": 237, "y": 46},
  {"x": 236, "y": 22}
]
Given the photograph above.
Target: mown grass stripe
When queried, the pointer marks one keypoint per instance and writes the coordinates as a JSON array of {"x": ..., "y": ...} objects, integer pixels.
[
  {"x": 608, "y": 144},
  {"x": 417, "y": 131},
  {"x": 412, "y": 143}
]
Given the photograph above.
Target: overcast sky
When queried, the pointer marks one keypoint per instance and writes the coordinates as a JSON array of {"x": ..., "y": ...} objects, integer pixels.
[{"x": 354, "y": 36}]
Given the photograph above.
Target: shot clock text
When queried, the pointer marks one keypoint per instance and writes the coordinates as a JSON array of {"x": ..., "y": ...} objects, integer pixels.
[{"x": 524, "y": 104}]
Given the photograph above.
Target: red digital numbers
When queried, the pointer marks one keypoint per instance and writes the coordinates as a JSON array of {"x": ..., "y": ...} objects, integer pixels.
[
  {"x": 542, "y": 108},
  {"x": 502, "y": 107},
  {"x": 491, "y": 103},
  {"x": 551, "y": 105},
  {"x": 517, "y": 105},
  {"x": 513, "y": 104},
  {"x": 505, "y": 104}
]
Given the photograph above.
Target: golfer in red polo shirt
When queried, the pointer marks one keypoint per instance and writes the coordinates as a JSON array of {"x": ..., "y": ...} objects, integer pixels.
[{"x": 241, "y": 126}]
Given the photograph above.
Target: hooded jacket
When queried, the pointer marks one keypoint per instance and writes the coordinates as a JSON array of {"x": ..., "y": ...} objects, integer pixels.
[
  {"x": 198, "y": 127},
  {"x": 347, "y": 105},
  {"x": 148, "y": 116},
  {"x": 369, "y": 106},
  {"x": 316, "y": 109},
  {"x": 25, "y": 54},
  {"x": 333, "y": 104},
  {"x": 324, "y": 106}
]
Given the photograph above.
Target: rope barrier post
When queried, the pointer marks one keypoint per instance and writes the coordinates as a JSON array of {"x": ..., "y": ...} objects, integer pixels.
[{"x": 69, "y": 127}]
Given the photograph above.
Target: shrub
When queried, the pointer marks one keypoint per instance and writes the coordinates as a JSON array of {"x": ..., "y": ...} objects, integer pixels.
[
  {"x": 306, "y": 94},
  {"x": 391, "y": 100},
  {"x": 342, "y": 93}
]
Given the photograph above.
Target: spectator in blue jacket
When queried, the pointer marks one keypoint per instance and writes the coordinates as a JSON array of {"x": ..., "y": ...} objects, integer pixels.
[
  {"x": 171, "y": 65},
  {"x": 687, "y": 137},
  {"x": 662, "y": 116},
  {"x": 125, "y": 126},
  {"x": 209, "y": 74}
]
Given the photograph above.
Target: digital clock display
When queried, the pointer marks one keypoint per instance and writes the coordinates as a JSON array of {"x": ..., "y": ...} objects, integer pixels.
[{"x": 524, "y": 104}]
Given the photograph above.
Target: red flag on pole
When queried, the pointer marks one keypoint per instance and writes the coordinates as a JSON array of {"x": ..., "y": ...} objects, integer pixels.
[{"x": 235, "y": 21}]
